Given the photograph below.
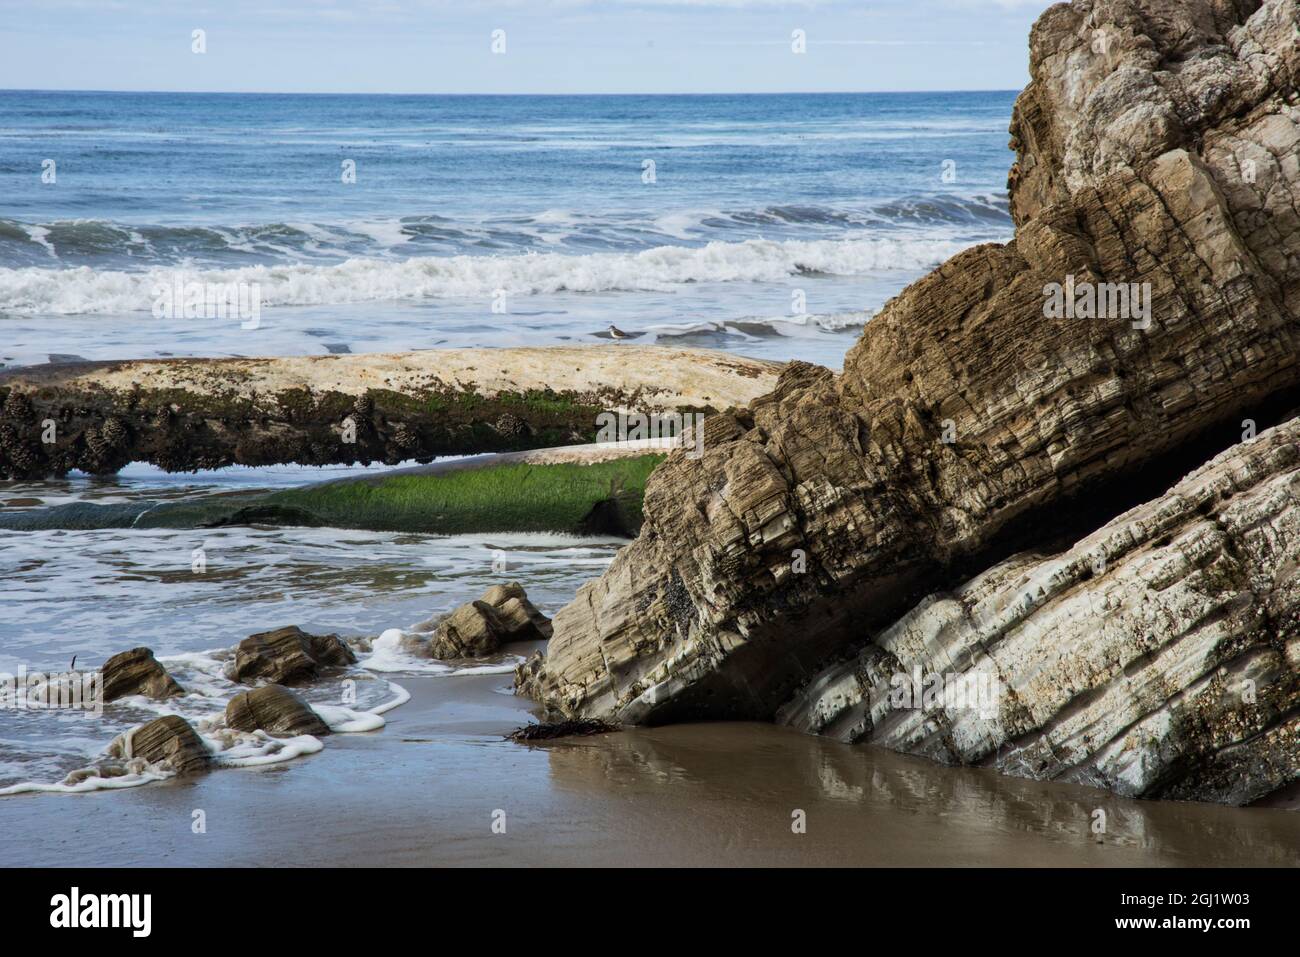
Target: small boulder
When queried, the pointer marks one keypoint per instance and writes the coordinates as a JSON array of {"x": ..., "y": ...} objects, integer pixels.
[
  {"x": 519, "y": 616},
  {"x": 479, "y": 628},
  {"x": 275, "y": 710},
  {"x": 470, "y": 631},
  {"x": 288, "y": 655},
  {"x": 168, "y": 742},
  {"x": 137, "y": 672}
]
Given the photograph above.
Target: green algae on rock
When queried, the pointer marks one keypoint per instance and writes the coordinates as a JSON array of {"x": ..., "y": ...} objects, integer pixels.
[
  {"x": 579, "y": 489},
  {"x": 190, "y": 414}
]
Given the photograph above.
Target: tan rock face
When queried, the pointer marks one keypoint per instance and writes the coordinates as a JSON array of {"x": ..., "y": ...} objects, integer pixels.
[
  {"x": 167, "y": 742},
  {"x": 288, "y": 655},
  {"x": 478, "y": 629},
  {"x": 275, "y": 710},
  {"x": 137, "y": 672},
  {"x": 966, "y": 421},
  {"x": 1159, "y": 656}
]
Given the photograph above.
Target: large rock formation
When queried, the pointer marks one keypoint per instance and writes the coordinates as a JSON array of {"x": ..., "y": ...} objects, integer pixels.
[
  {"x": 1159, "y": 656},
  {"x": 978, "y": 413}
]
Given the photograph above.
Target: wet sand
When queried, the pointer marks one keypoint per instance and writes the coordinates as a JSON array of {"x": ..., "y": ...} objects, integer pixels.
[{"x": 422, "y": 791}]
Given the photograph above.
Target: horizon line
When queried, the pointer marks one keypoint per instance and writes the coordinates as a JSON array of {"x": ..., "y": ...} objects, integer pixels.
[{"x": 4, "y": 90}]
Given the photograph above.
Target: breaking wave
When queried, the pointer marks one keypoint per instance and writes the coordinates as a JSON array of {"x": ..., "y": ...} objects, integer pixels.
[{"x": 83, "y": 289}]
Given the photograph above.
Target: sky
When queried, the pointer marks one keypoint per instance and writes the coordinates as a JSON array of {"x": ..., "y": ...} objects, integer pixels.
[{"x": 547, "y": 46}]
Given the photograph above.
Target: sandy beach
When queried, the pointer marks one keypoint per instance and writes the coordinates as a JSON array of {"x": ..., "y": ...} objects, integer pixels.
[{"x": 422, "y": 791}]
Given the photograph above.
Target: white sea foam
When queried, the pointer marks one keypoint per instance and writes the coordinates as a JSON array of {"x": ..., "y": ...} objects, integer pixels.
[
  {"x": 388, "y": 656},
  {"x": 663, "y": 269},
  {"x": 92, "y": 782}
]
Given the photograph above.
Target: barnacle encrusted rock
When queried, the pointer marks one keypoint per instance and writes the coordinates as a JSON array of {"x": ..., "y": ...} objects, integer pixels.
[
  {"x": 1156, "y": 166},
  {"x": 187, "y": 414}
]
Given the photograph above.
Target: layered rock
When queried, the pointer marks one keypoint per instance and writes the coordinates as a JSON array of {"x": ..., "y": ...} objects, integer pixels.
[
  {"x": 169, "y": 743},
  {"x": 187, "y": 414},
  {"x": 479, "y": 628},
  {"x": 288, "y": 656},
  {"x": 275, "y": 710},
  {"x": 1155, "y": 146},
  {"x": 137, "y": 672},
  {"x": 1157, "y": 657}
]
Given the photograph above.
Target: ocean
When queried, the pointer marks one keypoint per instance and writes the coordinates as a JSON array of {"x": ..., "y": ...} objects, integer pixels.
[{"x": 769, "y": 225}]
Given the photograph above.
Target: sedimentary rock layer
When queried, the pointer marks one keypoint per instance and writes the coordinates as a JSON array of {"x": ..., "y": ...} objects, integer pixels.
[
  {"x": 288, "y": 656},
  {"x": 186, "y": 414},
  {"x": 967, "y": 422},
  {"x": 169, "y": 743},
  {"x": 1159, "y": 656},
  {"x": 275, "y": 710},
  {"x": 479, "y": 628},
  {"x": 137, "y": 672}
]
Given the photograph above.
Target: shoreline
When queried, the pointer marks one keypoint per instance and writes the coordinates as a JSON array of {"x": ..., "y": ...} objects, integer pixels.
[{"x": 421, "y": 792}]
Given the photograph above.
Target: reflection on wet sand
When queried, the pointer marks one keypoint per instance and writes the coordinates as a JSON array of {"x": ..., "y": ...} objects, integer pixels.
[{"x": 738, "y": 786}]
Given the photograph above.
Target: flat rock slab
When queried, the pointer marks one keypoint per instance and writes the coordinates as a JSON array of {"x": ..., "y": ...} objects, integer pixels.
[{"x": 187, "y": 414}]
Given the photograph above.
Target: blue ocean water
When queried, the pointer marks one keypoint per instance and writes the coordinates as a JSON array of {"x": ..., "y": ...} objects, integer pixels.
[{"x": 483, "y": 220}]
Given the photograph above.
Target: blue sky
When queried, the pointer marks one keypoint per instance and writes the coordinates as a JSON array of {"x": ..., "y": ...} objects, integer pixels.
[{"x": 551, "y": 46}]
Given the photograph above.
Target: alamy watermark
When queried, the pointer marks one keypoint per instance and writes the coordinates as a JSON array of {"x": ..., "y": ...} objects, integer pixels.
[
  {"x": 1103, "y": 300},
  {"x": 967, "y": 691},
  {"x": 209, "y": 300},
  {"x": 52, "y": 691},
  {"x": 667, "y": 430}
]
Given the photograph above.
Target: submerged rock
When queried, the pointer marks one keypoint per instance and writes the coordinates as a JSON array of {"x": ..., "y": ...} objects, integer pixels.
[
  {"x": 1157, "y": 657},
  {"x": 980, "y": 414},
  {"x": 169, "y": 742},
  {"x": 137, "y": 672},
  {"x": 275, "y": 710},
  {"x": 288, "y": 655},
  {"x": 479, "y": 628}
]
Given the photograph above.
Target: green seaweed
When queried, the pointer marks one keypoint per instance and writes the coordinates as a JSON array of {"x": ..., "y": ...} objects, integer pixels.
[{"x": 518, "y": 497}]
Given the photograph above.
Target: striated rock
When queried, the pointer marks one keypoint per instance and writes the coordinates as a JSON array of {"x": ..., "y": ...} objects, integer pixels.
[
  {"x": 167, "y": 742},
  {"x": 479, "y": 628},
  {"x": 137, "y": 672},
  {"x": 288, "y": 655},
  {"x": 967, "y": 424},
  {"x": 1157, "y": 657},
  {"x": 275, "y": 710}
]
